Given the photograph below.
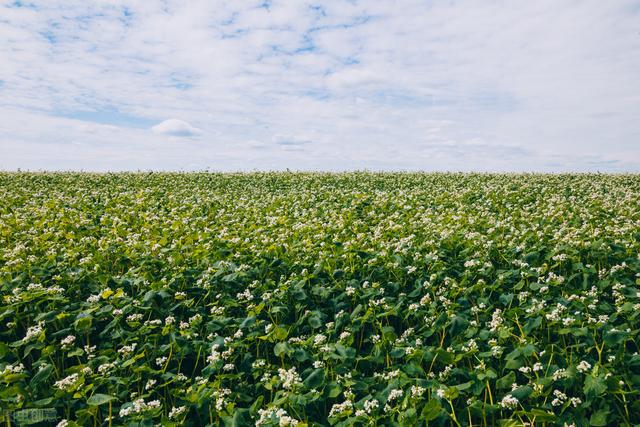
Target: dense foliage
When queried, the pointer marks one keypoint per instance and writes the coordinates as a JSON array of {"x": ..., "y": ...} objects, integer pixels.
[{"x": 317, "y": 299}]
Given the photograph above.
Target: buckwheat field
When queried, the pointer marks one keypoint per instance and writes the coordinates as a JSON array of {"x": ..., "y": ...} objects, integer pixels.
[{"x": 302, "y": 299}]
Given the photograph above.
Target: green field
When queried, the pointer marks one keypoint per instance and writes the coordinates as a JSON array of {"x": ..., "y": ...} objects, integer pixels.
[{"x": 320, "y": 299}]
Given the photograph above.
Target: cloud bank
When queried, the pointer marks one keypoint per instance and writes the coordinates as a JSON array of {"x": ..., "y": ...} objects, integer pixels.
[
  {"x": 175, "y": 127},
  {"x": 546, "y": 85}
]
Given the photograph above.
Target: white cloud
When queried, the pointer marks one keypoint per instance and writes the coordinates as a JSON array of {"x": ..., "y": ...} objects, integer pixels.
[
  {"x": 466, "y": 85},
  {"x": 175, "y": 127}
]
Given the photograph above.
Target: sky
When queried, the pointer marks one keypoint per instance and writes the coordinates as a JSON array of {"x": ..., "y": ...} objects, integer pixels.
[{"x": 545, "y": 85}]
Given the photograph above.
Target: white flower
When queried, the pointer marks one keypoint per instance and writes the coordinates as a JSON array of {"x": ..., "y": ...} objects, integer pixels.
[
  {"x": 289, "y": 378},
  {"x": 496, "y": 320},
  {"x": 177, "y": 411},
  {"x": 127, "y": 349},
  {"x": 34, "y": 287},
  {"x": 9, "y": 369},
  {"x": 34, "y": 331},
  {"x": 560, "y": 398},
  {"x": 217, "y": 311},
  {"x": 68, "y": 383},
  {"x": 319, "y": 339},
  {"x": 220, "y": 395},
  {"x": 394, "y": 394},
  {"x": 139, "y": 406},
  {"x": 93, "y": 298},
  {"x": 583, "y": 367},
  {"x": 339, "y": 408},
  {"x": 560, "y": 373},
  {"x": 195, "y": 319},
  {"x": 63, "y": 423},
  {"x": 417, "y": 391},
  {"x": 215, "y": 354},
  {"x": 105, "y": 367},
  {"x": 470, "y": 346},
  {"x": 509, "y": 401},
  {"x": 67, "y": 341},
  {"x": 279, "y": 414},
  {"x": 134, "y": 317},
  {"x": 371, "y": 405},
  {"x": 259, "y": 363}
]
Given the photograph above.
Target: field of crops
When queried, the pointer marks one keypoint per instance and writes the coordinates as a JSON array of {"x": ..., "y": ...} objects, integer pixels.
[{"x": 286, "y": 299}]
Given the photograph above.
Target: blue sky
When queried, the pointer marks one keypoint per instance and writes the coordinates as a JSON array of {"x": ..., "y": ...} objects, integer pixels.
[{"x": 334, "y": 85}]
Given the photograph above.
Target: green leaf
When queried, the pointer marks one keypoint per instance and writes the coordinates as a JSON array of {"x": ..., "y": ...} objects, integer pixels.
[
  {"x": 256, "y": 405},
  {"x": 315, "y": 379},
  {"x": 247, "y": 322},
  {"x": 35, "y": 346},
  {"x": 513, "y": 364},
  {"x": 599, "y": 418},
  {"x": 282, "y": 348},
  {"x": 4, "y": 349},
  {"x": 528, "y": 350},
  {"x": 506, "y": 381},
  {"x": 83, "y": 323},
  {"x": 278, "y": 334},
  {"x": 42, "y": 375},
  {"x": 521, "y": 393},
  {"x": 240, "y": 418},
  {"x": 333, "y": 390},
  {"x": 458, "y": 324},
  {"x": 532, "y": 324},
  {"x": 506, "y": 299},
  {"x": 464, "y": 386},
  {"x": 315, "y": 322},
  {"x": 398, "y": 352},
  {"x": 431, "y": 410},
  {"x": 100, "y": 399},
  {"x": 388, "y": 333},
  {"x": 345, "y": 352},
  {"x": 594, "y": 386},
  {"x": 614, "y": 338}
]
